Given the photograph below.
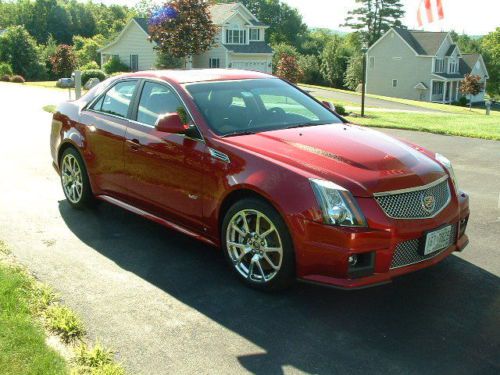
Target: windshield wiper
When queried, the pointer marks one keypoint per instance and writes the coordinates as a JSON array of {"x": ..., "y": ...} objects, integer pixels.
[
  {"x": 232, "y": 134},
  {"x": 306, "y": 125}
]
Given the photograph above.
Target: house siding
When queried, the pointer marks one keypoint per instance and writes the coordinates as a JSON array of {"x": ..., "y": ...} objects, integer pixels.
[
  {"x": 394, "y": 59},
  {"x": 134, "y": 41}
]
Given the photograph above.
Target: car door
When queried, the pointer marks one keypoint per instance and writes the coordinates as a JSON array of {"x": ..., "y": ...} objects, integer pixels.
[
  {"x": 164, "y": 172},
  {"x": 107, "y": 120}
]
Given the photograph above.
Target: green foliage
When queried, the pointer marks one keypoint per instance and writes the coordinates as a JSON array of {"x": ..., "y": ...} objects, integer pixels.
[
  {"x": 193, "y": 20},
  {"x": 354, "y": 72},
  {"x": 288, "y": 68},
  {"x": 114, "y": 65},
  {"x": 374, "y": 17},
  {"x": 90, "y": 66},
  {"x": 310, "y": 66},
  {"x": 94, "y": 73},
  {"x": 471, "y": 86},
  {"x": 5, "y": 69},
  {"x": 491, "y": 50},
  {"x": 17, "y": 79},
  {"x": 86, "y": 48},
  {"x": 64, "y": 322},
  {"x": 19, "y": 49},
  {"x": 340, "y": 110},
  {"x": 334, "y": 62},
  {"x": 167, "y": 61},
  {"x": 281, "y": 50},
  {"x": 96, "y": 360},
  {"x": 63, "y": 61},
  {"x": 465, "y": 43}
]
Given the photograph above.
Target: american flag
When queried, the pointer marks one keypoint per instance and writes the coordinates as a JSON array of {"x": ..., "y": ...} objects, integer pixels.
[{"x": 429, "y": 11}]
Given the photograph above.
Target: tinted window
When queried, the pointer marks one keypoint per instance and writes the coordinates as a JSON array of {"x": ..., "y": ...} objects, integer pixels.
[
  {"x": 156, "y": 100},
  {"x": 117, "y": 99},
  {"x": 232, "y": 107}
]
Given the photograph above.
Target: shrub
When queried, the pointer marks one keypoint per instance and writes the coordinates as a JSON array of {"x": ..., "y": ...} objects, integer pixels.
[
  {"x": 94, "y": 73},
  {"x": 64, "y": 61},
  {"x": 114, "y": 65},
  {"x": 309, "y": 64},
  {"x": 90, "y": 66},
  {"x": 340, "y": 110},
  {"x": 5, "y": 69},
  {"x": 5, "y": 78},
  {"x": 462, "y": 102},
  {"x": 64, "y": 322},
  {"x": 17, "y": 79},
  {"x": 289, "y": 69}
]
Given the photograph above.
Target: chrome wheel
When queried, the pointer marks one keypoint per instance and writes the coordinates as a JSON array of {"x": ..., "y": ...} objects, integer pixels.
[
  {"x": 254, "y": 245},
  {"x": 72, "y": 178}
]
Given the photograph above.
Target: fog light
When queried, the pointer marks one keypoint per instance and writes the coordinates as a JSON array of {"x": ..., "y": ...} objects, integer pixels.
[{"x": 353, "y": 260}]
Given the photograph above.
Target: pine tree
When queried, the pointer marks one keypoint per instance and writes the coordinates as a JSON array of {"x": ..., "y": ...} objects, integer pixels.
[{"x": 374, "y": 17}]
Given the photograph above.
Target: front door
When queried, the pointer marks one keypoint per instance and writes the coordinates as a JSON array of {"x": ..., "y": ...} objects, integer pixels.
[{"x": 164, "y": 172}]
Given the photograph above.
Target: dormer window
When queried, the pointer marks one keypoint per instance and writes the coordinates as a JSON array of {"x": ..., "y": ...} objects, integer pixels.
[
  {"x": 453, "y": 66},
  {"x": 439, "y": 66},
  {"x": 234, "y": 36},
  {"x": 254, "y": 35}
]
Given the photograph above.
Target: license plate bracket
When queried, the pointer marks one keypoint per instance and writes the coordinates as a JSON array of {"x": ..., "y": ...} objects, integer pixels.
[{"x": 435, "y": 240}]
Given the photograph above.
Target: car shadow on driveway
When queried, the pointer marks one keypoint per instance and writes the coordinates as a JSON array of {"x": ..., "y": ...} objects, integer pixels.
[{"x": 441, "y": 320}]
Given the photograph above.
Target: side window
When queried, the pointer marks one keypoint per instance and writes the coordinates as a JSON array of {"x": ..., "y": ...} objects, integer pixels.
[
  {"x": 285, "y": 103},
  {"x": 117, "y": 100},
  {"x": 156, "y": 100}
]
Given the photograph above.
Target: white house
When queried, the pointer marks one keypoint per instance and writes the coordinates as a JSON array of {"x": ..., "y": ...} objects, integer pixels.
[
  {"x": 421, "y": 65},
  {"x": 240, "y": 43}
]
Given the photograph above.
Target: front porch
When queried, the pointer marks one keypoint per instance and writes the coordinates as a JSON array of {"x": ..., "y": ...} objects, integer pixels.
[{"x": 445, "y": 91}]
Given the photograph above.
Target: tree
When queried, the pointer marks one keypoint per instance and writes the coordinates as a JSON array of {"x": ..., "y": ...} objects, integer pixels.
[
  {"x": 182, "y": 28},
  {"x": 491, "y": 50},
  {"x": 334, "y": 62},
  {"x": 309, "y": 64},
  {"x": 283, "y": 49},
  {"x": 19, "y": 49},
  {"x": 465, "y": 43},
  {"x": 86, "y": 48},
  {"x": 354, "y": 72},
  {"x": 288, "y": 68},
  {"x": 471, "y": 86},
  {"x": 64, "y": 61},
  {"x": 374, "y": 17}
]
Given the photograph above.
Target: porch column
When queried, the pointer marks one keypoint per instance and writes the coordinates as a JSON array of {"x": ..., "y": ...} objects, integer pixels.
[
  {"x": 445, "y": 85},
  {"x": 456, "y": 91}
]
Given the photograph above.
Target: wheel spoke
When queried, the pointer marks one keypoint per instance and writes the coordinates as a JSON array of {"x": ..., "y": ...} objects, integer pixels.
[
  {"x": 252, "y": 266},
  {"x": 245, "y": 222},
  {"x": 268, "y": 232},
  {"x": 236, "y": 244},
  {"x": 268, "y": 260},
  {"x": 261, "y": 270},
  {"x": 257, "y": 223},
  {"x": 241, "y": 233},
  {"x": 272, "y": 249}
]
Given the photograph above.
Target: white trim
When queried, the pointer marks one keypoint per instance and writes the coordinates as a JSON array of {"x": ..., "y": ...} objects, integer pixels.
[
  {"x": 117, "y": 39},
  {"x": 236, "y": 10}
]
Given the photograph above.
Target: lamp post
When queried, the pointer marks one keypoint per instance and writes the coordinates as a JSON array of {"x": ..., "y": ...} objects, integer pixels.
[{"x": 363, "y": 83}]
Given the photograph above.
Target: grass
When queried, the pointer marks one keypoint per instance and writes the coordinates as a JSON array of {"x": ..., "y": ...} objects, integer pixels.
[
  {"x": 26, "y": 307},
  {"x": 22, "y": 339},
  {"x": 45, "y": 84},
  {"x": 468, "y": 125}
]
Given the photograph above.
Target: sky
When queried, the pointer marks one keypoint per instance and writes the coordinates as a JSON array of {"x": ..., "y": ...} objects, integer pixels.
[{"x": 474, "y": 17}]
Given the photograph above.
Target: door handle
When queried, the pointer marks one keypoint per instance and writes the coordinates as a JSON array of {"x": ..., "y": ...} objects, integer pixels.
[{"x": 134, "y": 144}]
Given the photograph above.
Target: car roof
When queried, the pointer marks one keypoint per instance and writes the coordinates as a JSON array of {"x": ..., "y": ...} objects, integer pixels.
[{"x": 200, "y": 75}]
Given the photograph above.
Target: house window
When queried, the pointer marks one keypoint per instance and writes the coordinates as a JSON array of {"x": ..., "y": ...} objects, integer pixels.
[
  {"x": 394, "y": 83},
  {"x": 134, "y": 63},
  {"x": 439, "y": 66},
  {"x": 437, "y": 88},
  {"x": 236, "y": 37},
  {"x": 453, "y": 68},
  {"x": 214, "y": 63},
  {"x": 372, "y": 62},
  {"x": 254, "y": 35}
]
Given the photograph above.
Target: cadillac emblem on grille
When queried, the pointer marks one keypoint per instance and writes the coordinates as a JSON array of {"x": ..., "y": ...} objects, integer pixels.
[{"x": 428, "y": 202}]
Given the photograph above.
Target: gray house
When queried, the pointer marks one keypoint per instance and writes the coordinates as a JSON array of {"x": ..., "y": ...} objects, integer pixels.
[
  {"x": 240, "y": 43},
  {"x": 421, "y": 65}
]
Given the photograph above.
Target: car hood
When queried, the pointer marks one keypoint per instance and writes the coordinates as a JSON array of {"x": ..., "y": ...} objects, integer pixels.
[{"x": 362, "y": 160}]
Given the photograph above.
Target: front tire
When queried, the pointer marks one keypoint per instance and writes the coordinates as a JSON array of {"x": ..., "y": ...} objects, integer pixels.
[
  {"x": 257, "y": 244},
  {"x": 74, "y": 180}
]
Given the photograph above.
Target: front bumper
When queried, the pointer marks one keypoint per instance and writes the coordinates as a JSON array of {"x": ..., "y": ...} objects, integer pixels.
[{"x": 322, "y": 251}]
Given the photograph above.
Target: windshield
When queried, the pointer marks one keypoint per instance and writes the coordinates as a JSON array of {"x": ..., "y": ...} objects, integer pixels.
[{"x": 251, "y": 106}]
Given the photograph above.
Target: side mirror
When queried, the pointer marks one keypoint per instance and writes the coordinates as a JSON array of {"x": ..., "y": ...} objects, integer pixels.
[
  {"x": 170, "y": 123},
  {"x": 329, "y": 105}
]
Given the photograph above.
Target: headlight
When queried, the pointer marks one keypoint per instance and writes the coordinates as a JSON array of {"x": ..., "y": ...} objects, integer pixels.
[
  {"x": 337, "y": 204},
  {"x": 447, "y": 164}
]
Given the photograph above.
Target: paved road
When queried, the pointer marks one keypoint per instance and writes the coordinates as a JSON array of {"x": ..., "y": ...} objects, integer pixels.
[
  {"x": 168, "y": 304},
  {"x": 370, "y": 102}
]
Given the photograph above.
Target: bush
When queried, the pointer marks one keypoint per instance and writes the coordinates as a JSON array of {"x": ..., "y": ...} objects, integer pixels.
[
  {"x": 17, "y": 79},
  {"x": 94, "y": 73},
  {"x": 309, "y": 64},
  {"x": 340, "y": 110},
  {"x": 63, "y": 61},
  {"x": 462, "y": 102},
  {"x": 5, "y": 78},
  {"x": 288, "y": 68},
  {"x": 115, "y": 65},
  {"x": 90, "y": 66},
  {"x": 5, "y": 69}
]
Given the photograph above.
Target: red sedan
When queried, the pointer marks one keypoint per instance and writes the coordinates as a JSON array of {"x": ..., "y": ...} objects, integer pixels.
[{"x": 250, "y": 163}]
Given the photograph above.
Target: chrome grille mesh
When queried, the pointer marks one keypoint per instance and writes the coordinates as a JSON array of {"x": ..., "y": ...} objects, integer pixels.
[
  {"x": 407, "y": 252},
  {"x": 409, "y": 205}
]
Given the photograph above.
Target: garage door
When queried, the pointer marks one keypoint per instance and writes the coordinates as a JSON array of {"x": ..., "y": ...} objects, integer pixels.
[{"x": 260, "y": 66}]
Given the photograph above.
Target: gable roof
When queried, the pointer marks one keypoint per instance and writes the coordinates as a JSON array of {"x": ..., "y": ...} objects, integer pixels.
[
  {"x": 423, "y": 42},
  {"x": 220, "y": 12},
  {"x": 143, "y": 23},
  {"x": 451, "y": 49}
]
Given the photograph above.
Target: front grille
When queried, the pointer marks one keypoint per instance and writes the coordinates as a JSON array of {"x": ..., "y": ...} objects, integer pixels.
[
  {"x": 409, "y": 204},
  {"x": 407, "y": 252}
]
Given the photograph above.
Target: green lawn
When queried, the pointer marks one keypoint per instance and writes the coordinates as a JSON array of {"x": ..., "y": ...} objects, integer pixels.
[
  {"x": 467, "y": 125},
  {"x": 45, "y": 84},
  {"x": 22, "y": 339}
]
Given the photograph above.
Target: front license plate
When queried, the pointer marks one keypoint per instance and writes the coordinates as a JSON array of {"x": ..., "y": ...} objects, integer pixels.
[{"x": 437, "y": 240}]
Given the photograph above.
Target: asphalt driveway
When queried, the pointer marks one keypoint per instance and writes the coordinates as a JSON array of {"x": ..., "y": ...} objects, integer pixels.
[
  {"x": 168, "y": 304},
  {"x": 369, "y": 102}
]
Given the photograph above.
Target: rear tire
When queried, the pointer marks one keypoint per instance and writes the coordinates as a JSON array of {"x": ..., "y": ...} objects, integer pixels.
[
  {"x": 74, "y": 180},
  {"x": 258, "y": 246}
]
